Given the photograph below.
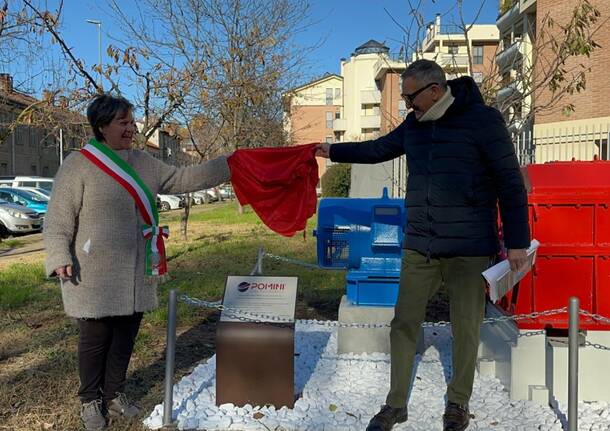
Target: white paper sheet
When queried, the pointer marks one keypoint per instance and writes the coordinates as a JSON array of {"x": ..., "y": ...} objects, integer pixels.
[{"x": 500, "y": 277}]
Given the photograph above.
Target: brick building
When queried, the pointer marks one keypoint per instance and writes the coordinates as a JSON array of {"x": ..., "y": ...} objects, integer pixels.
[
  {"x": 310, "y": 111},
  {"x": 26, "y": 148},
  {"x": 553, "y": 133}
]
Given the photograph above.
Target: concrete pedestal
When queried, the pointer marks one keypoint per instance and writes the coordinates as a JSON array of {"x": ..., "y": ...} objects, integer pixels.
[
  {"x": 534, "y": 366},
  {"x": 366, "y": 340}
]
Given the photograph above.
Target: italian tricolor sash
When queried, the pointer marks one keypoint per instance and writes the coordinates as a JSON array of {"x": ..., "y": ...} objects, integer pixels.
[{"x": 109, "y": 161}]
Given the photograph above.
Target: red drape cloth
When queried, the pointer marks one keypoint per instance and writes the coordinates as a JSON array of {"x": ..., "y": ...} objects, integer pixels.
[{"x": 278, "y": 183}]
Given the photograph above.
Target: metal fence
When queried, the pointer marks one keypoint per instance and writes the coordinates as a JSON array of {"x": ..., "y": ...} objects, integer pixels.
[{"x": 574, "y": 143}]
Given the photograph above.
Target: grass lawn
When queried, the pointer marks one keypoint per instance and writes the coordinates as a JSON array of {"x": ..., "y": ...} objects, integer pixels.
[{"x": 38, "y": 374}]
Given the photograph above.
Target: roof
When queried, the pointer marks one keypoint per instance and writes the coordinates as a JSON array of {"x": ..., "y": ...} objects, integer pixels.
[
  {"x": 17, "y": 98},
  {"x": 316, "y": 81},
  {"x": 371, "y": 47}
]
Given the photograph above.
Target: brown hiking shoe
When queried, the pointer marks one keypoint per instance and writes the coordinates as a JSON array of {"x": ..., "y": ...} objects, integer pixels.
[
  {"x": 456, "y": 417},
  {"x": 92, "y": 415},
  {"x": 120, "y": 406},
  {"x": 387, "y": 418}
]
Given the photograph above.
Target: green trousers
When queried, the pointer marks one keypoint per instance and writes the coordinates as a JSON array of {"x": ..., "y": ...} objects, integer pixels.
[{"x": 419, "y": 280}]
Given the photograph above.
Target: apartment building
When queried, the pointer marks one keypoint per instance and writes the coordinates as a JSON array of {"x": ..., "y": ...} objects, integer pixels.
[
  {"x": 449, "y": 45},
  {"x": 372, "y": 107},
  {"x": 545, "y": 131},
  {"x": 27, "y": 148},
  {"x": 311, "y": 110}
]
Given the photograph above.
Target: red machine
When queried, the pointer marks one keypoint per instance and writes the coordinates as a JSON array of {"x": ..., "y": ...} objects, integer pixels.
[{"x": 569, "y": 214}]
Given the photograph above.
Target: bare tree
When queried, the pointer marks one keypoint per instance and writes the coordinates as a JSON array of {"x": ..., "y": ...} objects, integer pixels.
[{"x": 544, "y": 80}]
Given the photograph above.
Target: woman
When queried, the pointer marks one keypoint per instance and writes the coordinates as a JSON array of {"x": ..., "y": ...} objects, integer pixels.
[{"x": 103, "y": 204}]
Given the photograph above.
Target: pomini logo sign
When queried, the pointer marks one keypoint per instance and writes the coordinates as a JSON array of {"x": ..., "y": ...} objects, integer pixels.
[{"x": 245, "y": 286}]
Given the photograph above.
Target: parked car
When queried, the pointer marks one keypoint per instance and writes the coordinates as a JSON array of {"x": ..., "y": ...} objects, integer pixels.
[
  {"x": 227, "y": 191},
  {"x": 23, "y": 181},
  {"x": 205, "y": 196},
  {"x": 18, "y": 219},
  {"x": 169, "y": 202},
  {"x": 197, "y": 199},
  {"x": 25, "y": 198}
]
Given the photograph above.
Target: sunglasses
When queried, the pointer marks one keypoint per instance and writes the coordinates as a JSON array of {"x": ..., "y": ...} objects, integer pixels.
[{"x": 410, "y": 98}]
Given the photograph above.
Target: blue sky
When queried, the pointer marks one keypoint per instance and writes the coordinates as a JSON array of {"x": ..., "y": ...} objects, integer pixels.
[{"x": 341, "y": 24}]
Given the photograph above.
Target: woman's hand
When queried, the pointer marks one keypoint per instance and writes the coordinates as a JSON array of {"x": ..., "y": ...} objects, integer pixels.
[{"x": 64, "y": 272}]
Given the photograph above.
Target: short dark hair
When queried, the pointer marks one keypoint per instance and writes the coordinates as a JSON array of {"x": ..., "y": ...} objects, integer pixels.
[
  {"x": 426, "y": 71},
  {"x": 102, "y": 110}
]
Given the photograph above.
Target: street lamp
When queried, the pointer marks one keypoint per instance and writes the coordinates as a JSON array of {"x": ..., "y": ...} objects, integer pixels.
[{"x": 99, "y": 37}]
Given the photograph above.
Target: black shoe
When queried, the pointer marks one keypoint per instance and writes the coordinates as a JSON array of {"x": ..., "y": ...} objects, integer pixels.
[
  {"x": 387, "y": 418},
  {"x": 456, "y": 417}
]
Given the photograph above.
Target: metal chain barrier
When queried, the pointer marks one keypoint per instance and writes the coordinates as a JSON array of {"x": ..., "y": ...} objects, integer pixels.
[
  {"x": 290, "y": 260},
  {"x": 246, "y": 316}
]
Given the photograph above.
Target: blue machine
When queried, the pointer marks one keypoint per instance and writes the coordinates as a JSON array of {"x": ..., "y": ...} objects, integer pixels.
[{"x": 363, "y": 236}]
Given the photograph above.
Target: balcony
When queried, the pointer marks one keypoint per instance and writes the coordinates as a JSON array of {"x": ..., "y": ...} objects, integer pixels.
[
  {"x": 506, "y": 19},
  {"x": 448, "y": 60},
  {"x": 339, "y": 125},
  {"x": 510, "y": 56},
  {"x": 510, "y": 92},
  {"x": 393, "y": 63},
  {"x": 370, "y": 121},
  {"x": 370, "y": 97}
]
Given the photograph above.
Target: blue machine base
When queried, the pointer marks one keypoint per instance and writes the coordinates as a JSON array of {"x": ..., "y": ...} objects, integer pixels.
[{"x": 367, "y": 289}]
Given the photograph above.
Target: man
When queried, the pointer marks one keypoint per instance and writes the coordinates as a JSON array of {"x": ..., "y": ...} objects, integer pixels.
[{"x": 461, "y": 164}]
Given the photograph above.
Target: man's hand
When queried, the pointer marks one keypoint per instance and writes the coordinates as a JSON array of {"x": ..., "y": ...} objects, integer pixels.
[
  {"x": 64, "y": 272},
  {"x": 517, "y": 258},
  {"x": 323, "y": 150}
]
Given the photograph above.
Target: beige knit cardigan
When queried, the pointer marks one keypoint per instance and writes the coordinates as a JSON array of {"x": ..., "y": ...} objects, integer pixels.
[{"x": 92, "y": 223}]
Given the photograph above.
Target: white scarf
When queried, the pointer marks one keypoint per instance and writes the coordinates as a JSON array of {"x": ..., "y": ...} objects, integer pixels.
[{"x": 437, "y": 110}]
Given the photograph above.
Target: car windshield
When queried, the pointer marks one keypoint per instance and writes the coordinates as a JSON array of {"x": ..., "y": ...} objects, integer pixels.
[
  {"x": 32, "y": 196},
  {"x": 2, "y": 202},
  {"x": 47, "y": 193}
]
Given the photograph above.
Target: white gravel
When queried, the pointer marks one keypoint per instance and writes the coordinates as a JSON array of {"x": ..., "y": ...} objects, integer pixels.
[{"x": 342, "y": 392}]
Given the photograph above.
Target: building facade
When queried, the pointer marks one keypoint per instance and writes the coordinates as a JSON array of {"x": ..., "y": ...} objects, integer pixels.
[
  {"x": 26, "y": 148},
  {"x": 449, "y": 46},
  {"x": 372, "y": 107},
  {"x": 311, "y": 110},
  {"x": 544, "y": 130}
]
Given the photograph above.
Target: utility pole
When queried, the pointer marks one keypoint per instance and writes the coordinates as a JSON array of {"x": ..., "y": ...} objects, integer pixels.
[{"x": 98, "y": 23}]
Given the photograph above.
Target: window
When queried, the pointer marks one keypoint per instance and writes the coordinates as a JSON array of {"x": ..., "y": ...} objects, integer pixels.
[
  {"x": 45, "y": 171},
  {"x": 337, "y": 115},
  {"x": 477, "y": 54},
  {"x": 369, "y": 109},
  {"x": 33, "y": 169},
  {"x": 453, "y": 49},
  {"x": 330, "y": 116},
  {"x": 402, "y": 109},
  {"x": 329, "y": 96},
  {"x": 329, "y": 139},
  {"x": 337, "y": 93},
  {"x": 3, "y": 168}
]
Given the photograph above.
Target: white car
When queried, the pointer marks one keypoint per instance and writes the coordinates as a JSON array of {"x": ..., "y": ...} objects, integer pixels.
[
  {"x": 205, "y": 196},
  {"x": 22, "y": 181},
  {"x": 169, "y": 202},
  {"x": 16, "y": 219}
]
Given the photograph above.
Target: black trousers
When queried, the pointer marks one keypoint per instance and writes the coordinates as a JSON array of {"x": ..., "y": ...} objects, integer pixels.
[{"x": 104, "y": 350}]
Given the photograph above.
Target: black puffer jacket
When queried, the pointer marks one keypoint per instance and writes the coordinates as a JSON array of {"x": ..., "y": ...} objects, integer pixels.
[{"x": 460, "y": 167}]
